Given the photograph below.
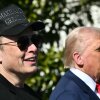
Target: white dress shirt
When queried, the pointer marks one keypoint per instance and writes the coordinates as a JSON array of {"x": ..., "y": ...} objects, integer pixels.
[{"x": 86, "y": 79}]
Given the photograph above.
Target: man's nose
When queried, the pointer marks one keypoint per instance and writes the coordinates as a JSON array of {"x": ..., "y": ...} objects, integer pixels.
[{"x": 32, "y": 47}]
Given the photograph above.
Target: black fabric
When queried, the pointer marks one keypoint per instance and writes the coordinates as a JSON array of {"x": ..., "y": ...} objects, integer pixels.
[
  {"x": 10, "y": 92},
  {"x": 13, "y": 21}
]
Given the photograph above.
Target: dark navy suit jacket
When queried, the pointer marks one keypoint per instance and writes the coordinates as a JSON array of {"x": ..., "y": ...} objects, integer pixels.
[{"x": 70, "y": 87}]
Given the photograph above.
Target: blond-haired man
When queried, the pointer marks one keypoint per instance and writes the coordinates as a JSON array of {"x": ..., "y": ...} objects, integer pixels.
[{"x": 82, "y": 56}]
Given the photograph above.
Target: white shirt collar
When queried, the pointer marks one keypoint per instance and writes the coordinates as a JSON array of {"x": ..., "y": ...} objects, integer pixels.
[{"x": 84, "y": 77}]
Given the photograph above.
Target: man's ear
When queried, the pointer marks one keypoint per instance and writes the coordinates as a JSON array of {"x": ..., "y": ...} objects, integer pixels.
[{"x": 77, "y": 58}]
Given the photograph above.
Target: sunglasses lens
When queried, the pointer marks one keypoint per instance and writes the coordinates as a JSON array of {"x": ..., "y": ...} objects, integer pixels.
[
  {"x": 35, "y": 40},
  {"x": 23, "y": 42}
]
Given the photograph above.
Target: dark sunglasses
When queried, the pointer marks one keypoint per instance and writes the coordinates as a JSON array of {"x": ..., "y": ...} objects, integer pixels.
[{"x": 24, "y": 41}]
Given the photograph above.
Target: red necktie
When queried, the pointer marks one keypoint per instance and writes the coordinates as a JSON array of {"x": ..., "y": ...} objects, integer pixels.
[{"x": 98, "y": 88}]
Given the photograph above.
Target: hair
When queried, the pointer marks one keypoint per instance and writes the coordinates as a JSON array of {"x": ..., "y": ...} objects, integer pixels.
[
  {"x": 1, "y": 46},
  {"x": 77, "y": 41}
]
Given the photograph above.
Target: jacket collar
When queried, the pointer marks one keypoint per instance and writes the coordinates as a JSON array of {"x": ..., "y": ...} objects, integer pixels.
[{"x": 82, "y": 85}]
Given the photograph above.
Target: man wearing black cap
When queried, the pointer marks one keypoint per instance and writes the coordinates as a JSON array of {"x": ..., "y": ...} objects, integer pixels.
[{"x": 18, "y": 53}]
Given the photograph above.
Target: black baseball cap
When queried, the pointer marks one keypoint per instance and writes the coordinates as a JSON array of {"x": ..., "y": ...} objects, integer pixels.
[{"x": 13, "y": 21}]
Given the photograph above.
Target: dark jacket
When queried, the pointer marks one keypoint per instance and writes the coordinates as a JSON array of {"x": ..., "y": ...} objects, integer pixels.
[
  {"x": 70, "y": 87},
  {"x": 10, "y": 92}
]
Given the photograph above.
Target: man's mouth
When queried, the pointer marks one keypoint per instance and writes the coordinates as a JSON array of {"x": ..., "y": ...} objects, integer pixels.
[{"x": 30, "y": 59}]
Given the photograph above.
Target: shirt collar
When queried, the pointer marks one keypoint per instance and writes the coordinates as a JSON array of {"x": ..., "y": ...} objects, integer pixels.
[{"x": 85, "y": 78}]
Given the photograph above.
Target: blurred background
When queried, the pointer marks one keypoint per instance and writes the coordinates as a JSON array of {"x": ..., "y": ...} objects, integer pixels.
[{"x": 60, "y": 17}]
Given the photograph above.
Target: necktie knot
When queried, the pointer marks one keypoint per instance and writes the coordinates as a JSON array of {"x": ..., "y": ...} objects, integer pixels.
[{"x": 98, "y": 88}]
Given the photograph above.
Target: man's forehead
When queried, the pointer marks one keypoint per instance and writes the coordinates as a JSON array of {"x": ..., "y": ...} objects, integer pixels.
[{"x": 94, "y": 43}]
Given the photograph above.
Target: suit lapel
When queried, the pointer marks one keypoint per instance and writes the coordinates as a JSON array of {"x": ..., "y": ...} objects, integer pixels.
[{"x": 82, "y": 85}]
